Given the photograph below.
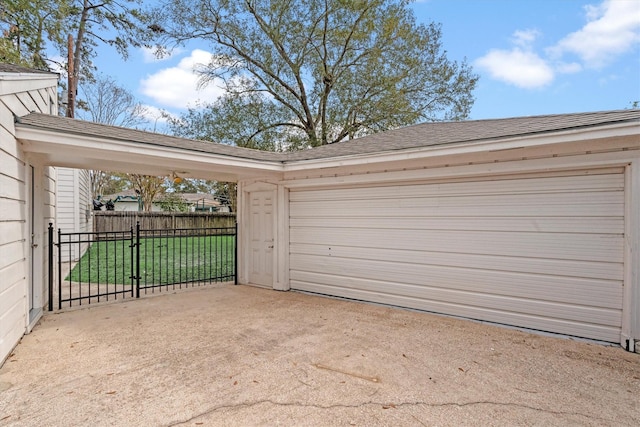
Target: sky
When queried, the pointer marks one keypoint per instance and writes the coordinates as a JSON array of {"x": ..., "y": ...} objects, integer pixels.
[{"x": 532, "y": 57}]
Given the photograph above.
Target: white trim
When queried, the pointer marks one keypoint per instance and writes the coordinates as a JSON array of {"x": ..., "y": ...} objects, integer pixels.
[
  {"x": 451, "y": 149},
  {"x": 35, "y": 274},
  {"x": 50, "y": 142},
  {"x": 259, "y": 186},
  {"x": 13, "y": 83},
  {"x": 77, "y": 151},
  {"x": 242, "y": 237},
  {"x": 244, "y": 193},
  {"x": 620, "y": 158},
  {"x": 281, "y": 267},
  {"x": 630, "y": 338}
]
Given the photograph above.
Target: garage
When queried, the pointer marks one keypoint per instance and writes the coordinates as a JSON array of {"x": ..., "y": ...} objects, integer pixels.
[
  {"x": 543, "y": 251},
  {"x": 527, "y": 221}
]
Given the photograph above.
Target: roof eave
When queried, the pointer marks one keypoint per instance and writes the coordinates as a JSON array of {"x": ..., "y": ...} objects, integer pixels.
[
  {"x": 158, "y": 158},
  {"x": 470, "y": 147}
]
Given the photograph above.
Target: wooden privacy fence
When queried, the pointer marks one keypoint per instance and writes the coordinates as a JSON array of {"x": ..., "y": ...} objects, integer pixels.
[{"x": 112, "y": 221}]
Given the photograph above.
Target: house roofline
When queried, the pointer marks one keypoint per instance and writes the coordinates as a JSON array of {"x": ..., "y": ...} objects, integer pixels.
[
  {"x": 46, "y": 134},
  {"x": 472, "y": 146}
]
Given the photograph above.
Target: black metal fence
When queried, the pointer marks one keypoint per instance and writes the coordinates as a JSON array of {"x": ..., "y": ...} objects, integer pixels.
[{"x": 127, "y": 264}]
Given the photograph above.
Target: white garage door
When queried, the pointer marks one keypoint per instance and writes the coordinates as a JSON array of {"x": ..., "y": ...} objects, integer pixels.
[{"x": 542, "y": 252}]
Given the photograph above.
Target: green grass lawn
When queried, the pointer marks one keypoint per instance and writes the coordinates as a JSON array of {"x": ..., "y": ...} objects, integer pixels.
[{"x": 163, "y": 260}]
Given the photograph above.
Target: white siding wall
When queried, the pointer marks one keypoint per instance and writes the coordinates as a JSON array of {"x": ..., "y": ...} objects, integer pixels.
[
  {"x": 73, "y": 214},
  {"x": 33, "y": 95},
  {"x": 538, "y": 252},
  {"x": 67, "y": 199},
  {"x": 85, "y": 220}
]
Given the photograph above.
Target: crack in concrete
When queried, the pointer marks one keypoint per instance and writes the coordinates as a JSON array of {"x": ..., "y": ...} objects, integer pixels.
[{"x": 386, "y": 405}]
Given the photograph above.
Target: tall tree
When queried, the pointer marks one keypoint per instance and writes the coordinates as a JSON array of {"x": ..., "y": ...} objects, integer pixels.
[
  {"x": 191, "y": 185},
  {"x": 227, "y": 193},
  {"x": 321, "y": 71},
  {"x": 147, "y": 187},
  {"x": 26, "y": 26},
  {"x": 103, "y": 183},
  {"x": 118, "y": 23},
  {"x": 105, "y": 101}
]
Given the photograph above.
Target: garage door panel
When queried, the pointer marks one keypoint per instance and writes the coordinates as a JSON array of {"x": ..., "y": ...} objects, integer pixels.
[
  {"x": 561, "y": 326},
  {"x": 569, "y": 184},
  {"x": 374, "y": 208},
  {"x": 585, "y": 247},
  {"x": 543, "y": 252},
  {"x": 607, "y": 293},
  {"x": 585, "y": 269},
  {"x": 523, "y": 201},
  {"x": 606, "y": 225},
  {"x": 429, "y": 294}
]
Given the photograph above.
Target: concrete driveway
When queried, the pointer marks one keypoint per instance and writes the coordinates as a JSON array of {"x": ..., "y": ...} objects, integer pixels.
[{"x": 238, "y": 355}]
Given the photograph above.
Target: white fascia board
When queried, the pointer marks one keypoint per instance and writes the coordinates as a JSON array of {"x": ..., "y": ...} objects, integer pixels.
[
  {"x": 11, "y": 83},
  {"x": 583, "y": 161},
  {"x": 502, "y": 144},
  {"x": 49, "y": 142}
]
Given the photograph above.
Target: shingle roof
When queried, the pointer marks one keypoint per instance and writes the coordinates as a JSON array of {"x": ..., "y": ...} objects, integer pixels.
[
  {"x": 410, "y": 137},
  {"x": 12, "y": 68},
  {"x": 91, "y": 129},
  {"x": 465, "y": 132}
]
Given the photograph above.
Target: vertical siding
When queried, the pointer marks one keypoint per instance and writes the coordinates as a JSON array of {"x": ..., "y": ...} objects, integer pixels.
[
  {"x": 543, "y": 253},
  {"x": 73, "y": 201},
  {"x": 14, "y": 232},
  {"x": 84, "y": 201},
  {"x": 66, "y": 209}
]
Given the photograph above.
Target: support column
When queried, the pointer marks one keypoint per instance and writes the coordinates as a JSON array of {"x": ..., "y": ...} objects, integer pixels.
[{"x": 630, "y": 339}]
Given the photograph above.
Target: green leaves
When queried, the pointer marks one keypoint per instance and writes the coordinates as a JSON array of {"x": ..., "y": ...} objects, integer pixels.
[
  {"x": 314, "y": 72},
  {"x": 26, "y": 26}
]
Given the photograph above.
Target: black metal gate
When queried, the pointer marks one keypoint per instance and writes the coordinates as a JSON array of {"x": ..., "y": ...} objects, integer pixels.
[{"x": 103, "y": 266}]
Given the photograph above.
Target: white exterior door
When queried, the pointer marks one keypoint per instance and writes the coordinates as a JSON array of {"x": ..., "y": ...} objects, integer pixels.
[
  {"x": 261, "y": 237},
  {"x": 539, "y": 251}
]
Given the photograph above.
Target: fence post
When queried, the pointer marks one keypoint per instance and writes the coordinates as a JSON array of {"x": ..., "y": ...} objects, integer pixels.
[
  {"x": 50, "y": 278},
  {"x": 132, "y": 269},
  {"x": 137, "y": 259},
  {"x": 235, "y": 257},
  {"x": 59, "y": 269}
]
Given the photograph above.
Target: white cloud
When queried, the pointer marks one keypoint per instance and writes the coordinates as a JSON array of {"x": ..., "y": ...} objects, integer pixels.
[
  {"x": 177, "y": 87},
  {"x": 613, "y": 28},
  {"x": 525, "y": 38},
  {"x": 568, "y": 67},
  {"x": 155, "y": 115},
  {"x": 518, "y": 67}
]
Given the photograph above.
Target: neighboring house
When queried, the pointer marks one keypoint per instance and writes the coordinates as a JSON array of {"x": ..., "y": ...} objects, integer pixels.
[
  {"x": 129, "y": 201},
  {"x": 200, "y": 202},
  {"x": 126, "y": 201},
  {"x": 73, "y": 208},
  {"x": 532, "y": 222}
]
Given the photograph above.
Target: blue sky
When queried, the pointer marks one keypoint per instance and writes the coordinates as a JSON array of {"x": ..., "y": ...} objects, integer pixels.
[{"x": 533, "y": 57}]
